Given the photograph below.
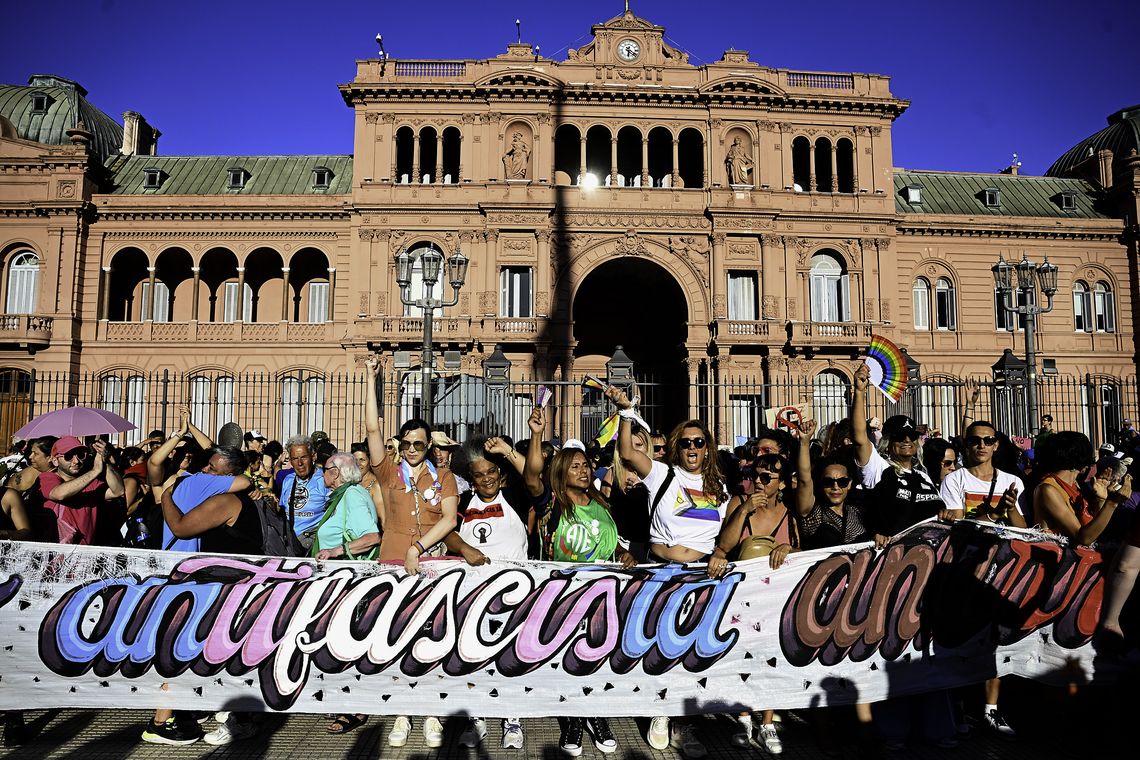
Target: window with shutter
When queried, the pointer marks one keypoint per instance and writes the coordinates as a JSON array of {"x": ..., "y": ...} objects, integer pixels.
[
  {"x": 515, "y": 292},
  {"x": 920, "y": 303},
  {"x": 742, "y": 296},
  {"x": 318, "y": 302},
  {"x": 1081, "y": 309},
  {"x": 944, "y": 304}
]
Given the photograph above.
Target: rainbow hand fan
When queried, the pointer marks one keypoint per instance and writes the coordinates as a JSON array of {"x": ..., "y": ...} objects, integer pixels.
[{"x": 888, "y": 367}]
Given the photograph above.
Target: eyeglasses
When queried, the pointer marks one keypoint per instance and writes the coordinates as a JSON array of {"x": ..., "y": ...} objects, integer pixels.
[
  {"x": 417, "y": 445},
  {"x": 691, "y": 443},
  {"x": 841, "y": 482},
  {"x": 76, "y": 454},
  {"x": 977, "y": 440},
  {"x": 765, "y": 478},
  {"x": 949, "y": 462},
  {"x": 658, "y": 447},
  {"x": 901, "y": 437}
]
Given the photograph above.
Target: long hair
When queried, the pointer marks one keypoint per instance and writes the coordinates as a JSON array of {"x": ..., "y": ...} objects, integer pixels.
[
  {"x": 884, "y": 449},
  {"x": 619, "y": 468},
  {"x": 711, "y": 475},
  {"x": 558, "y": 469}
]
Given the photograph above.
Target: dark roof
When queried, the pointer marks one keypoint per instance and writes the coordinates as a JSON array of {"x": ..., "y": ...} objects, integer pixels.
[
  {"x": 209, "y": 175},
  {"x": 1121, "y": 136},
  {"x": 67, "y": 104},
  {"x": 963, "y": 195}
]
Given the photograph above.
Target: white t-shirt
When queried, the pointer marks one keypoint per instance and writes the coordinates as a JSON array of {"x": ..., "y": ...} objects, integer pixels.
[
  {"x": 494, "y": 528},
  {"x": 685, "y": 515},
  {"x": 961, "y": 490}
]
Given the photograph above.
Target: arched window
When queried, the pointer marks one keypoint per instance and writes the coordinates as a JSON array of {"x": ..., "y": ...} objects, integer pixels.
[
  {"x": 945, "y": 306},
  {"x": 302, "y": 405},
  {"x": 829, "y": 398},
  {"x": 1104, "y": 307},
  {"x": 920, "y": 298},
  {"x": 23, "y": 277},
  {"x": 1081, "y": 307},
  {"x": 830, "y": 290},
  {"x": 211, "y": 401},
  {"x": 127, "y": 399}
]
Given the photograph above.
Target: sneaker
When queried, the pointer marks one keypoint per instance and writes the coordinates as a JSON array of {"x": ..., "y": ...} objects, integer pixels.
[
  {"x": 475, "y": 733},
  {"x": 233, "y": 730},
  {"x": 433, "y": 732},
  {"x": 658, "y": 736},
  {"x": 570, "y": 741},
  {"x": 682, "y": 737},
  {"x": 599, "y": 729},
  {"x": 168, "y": 732},
  {"x": 996, "y": 722},
  {"x": 15, "y": 730},
  {"x": 770, "y": 739},
  {"x": 512, "y": 734},
  {"x": 742, "y": 737},
  {"x": 398, "y": 736}
]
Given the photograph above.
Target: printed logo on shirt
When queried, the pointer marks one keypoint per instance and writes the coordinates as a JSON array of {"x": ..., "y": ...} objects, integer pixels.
[
  {"x": 482, "y": 532},
  {"x": 300, "y": 495},
  {"x": 487, "y": 512},
  {"x": 698, "y": 506}
]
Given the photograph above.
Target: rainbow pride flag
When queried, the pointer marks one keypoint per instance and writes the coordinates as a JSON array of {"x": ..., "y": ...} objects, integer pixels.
[
  {"x": 609, "y": 429},
  {"x": 698, "y": 506}
]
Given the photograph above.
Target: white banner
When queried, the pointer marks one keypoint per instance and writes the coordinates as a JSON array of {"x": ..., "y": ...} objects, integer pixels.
[{"x": 90, "y": 627}]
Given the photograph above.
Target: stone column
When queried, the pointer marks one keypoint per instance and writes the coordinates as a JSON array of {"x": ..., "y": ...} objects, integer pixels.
[
  {"x": 105, "y": 312},
  {"x": 438, "y": 178},
  {"x": 285, "y": 299},
  {"x": 813, "y": 183},
  {"x": 582, "y": 159},
  {"x": 195, "y": 296},
  {"x": 788, "y": 179},
  {"x": 645, "y": 162},
  {"x": 613, "y": 161},
  {"x": 462, "y": 159},
  {"x": 771, "y": 285},
  {"x": 148, "y": 303},
  {"x": 543, "y": 286},
  {"x": 416, "y": 175},
  {"x": 717, "y": 256},
  {"x": 332, "y": 295},
  {"x": 241, "y": 295}
]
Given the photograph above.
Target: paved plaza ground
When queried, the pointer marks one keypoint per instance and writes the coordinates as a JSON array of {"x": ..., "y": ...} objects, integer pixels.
[{"x": 1051, "y": 724}]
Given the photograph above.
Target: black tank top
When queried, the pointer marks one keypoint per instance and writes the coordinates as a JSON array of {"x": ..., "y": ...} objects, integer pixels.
[
  {"x": 630, "y": 510},
  {"x": 243, "y": 537}
]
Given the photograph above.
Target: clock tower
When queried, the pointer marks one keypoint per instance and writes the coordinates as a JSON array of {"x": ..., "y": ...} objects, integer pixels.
[{"x": 629, "y": 40}]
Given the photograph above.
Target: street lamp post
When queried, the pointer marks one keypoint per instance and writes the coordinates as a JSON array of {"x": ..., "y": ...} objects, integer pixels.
[
  {"x": 1030, "y": 277},
  {"x": 430, "y": 262}
]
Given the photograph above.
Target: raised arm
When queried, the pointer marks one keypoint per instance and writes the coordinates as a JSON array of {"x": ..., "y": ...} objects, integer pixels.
[
  {"x": 863, "y": 445},
  {"x": 376, "y": 452},
  {"x": 200, "y": 438},
  {"x": 110, "y": 472},
  {"x": 973, "y": 391},
  {"x": 805, "y": 487},
  {"x": 156, "y": 462},
  {"x": 640, "y": 462},
  {"x": 532, "y": 470}
]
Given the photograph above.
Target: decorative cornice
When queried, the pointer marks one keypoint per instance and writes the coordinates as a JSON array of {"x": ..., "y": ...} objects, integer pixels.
[
  {"x": 1010, "y": 233},
  {"x": 220, "y": 234},
  {"x": 223, "y": 215}
]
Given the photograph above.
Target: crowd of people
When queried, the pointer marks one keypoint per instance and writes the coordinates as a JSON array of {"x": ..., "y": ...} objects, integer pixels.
[{"x": 646, "y": 497}]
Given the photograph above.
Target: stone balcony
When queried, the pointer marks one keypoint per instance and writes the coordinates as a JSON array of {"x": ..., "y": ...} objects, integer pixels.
[
  {"x": 30, "y": 331},
  {"x": 220, "y": 332},
  {"x": 738, "y": 332},
  {"x": 461, "y": 329},
  {"x": 817, "y": 335}
]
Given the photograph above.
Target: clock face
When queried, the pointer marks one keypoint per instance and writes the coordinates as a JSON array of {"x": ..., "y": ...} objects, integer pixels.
[{"x": 628, "y": 50}]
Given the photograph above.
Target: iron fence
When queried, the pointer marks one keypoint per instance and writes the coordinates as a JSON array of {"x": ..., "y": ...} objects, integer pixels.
[{"x": 465, "y": 405}]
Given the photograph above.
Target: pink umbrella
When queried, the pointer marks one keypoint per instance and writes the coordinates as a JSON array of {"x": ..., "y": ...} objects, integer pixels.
[{"x": 74, "y": 420}]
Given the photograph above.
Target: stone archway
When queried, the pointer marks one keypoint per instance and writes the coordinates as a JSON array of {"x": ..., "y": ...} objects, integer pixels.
[{"x": 636, "y": 303}]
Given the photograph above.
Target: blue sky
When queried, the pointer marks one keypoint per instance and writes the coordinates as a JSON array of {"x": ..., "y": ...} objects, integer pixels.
[{"x": 984, "y": 79}]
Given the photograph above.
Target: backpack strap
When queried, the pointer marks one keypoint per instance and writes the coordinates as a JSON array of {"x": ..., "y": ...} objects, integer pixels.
[{"x": 661, "y": 492}]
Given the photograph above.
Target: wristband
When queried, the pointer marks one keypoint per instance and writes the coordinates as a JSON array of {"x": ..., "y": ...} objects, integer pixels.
[
  {"x": 420, "y": 546},
  {"x": 628, "y": 414}
]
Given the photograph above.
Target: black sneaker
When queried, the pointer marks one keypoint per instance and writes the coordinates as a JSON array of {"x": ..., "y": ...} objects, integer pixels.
[
  {"x": 169, "y": 732},
  {"x": 15, "y": 731},
  {"x": 570, "y": 742},
  {"x": 604, "y": 740}
]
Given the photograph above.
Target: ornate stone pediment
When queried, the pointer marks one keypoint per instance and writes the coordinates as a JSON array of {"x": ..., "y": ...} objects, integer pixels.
[{"x": 632, "y": 245}]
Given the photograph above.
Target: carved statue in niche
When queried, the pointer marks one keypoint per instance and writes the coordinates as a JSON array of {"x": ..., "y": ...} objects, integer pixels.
[
  {"x": 517, "y": 158},
  {"x": 688, "y": 245},
  {"x": 739, "y": 163}
]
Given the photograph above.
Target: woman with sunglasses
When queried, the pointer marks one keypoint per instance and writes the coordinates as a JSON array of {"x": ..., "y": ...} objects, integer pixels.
[
  {"x": 420, "y": 509},
  {"x": 940, "y": 458},
  {"x": 901, "y": 493},
  {"x": 762, "y": 513},
  {"x": 828, "y": 515},
  {"x": 687, "y": 503}
]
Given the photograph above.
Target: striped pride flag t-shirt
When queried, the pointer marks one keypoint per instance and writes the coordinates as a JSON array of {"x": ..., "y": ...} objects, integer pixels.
[{"x": 685, "y": 515}]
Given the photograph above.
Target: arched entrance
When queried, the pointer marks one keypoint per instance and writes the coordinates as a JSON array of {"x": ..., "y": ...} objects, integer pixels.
[{"x": 638, "y": 305}]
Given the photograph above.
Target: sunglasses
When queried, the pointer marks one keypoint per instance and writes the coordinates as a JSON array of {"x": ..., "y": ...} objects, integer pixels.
[
  {"x": 417, "y": 445},
  {"x": 765, "y": 478},
  {"x": 899, "y": 438},
  {"x": 658, "y": 447},
  {"x": 977, "y": 440},
  {"x": 949, "y": 462},
  {"x": 78, "y": 454},
  {"x": 692, "y": 443},
  {"x": 841, "y": 482}
]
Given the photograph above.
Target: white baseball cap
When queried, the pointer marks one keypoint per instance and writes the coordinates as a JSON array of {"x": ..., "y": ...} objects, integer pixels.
[{"x": 574, "y": 443}]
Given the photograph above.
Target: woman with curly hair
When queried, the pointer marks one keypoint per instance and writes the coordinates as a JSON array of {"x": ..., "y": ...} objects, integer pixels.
[{"x": 1059, "y": 504}]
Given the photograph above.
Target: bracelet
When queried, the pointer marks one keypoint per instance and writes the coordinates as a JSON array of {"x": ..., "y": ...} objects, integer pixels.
[
  {"x": 344, "y": 550},
  {"x": 420, "y": 546}
]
